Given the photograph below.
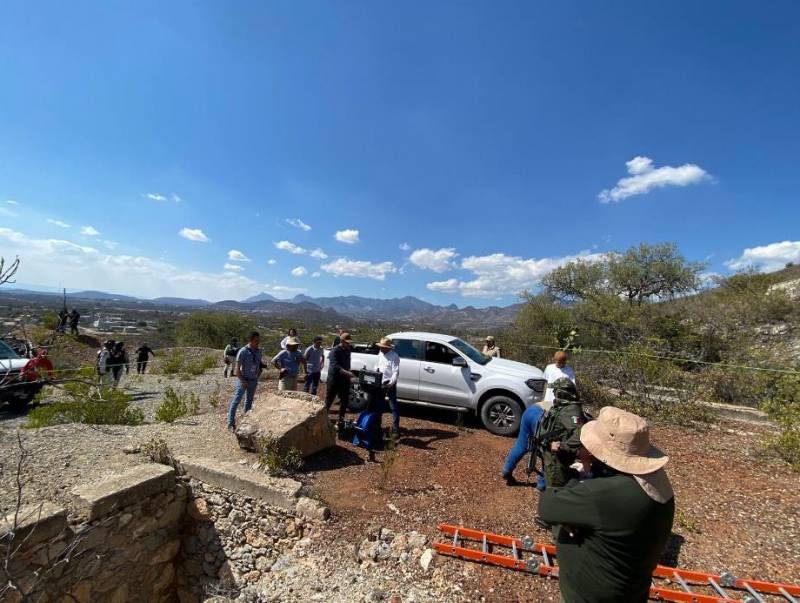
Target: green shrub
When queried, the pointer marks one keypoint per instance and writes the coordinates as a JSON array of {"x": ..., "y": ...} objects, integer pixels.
[
  {"x": 174, "y": 406},
  {"x": 215, "y": 398},
  {"x": 107, "y": 407},
  {"x": 650, "y": 387},
  {"x": 172, "y": 364},
  {"x": 201, "y": 365},
  {"x": 784, "y": 408},
  {"x": 277, "y": 460},
  {"x": 158, "y": 452},
  {"x": 50, "y": 320},
  {"x": 212, "y": 329},
  {"x": 87, "y": 403}
]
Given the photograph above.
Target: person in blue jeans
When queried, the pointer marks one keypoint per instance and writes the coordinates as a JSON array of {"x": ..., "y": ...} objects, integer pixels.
[
  {"x": 315, "y": 360},
  {"x": 248, "y": 369},
  {"x": 527, "y": 427}
]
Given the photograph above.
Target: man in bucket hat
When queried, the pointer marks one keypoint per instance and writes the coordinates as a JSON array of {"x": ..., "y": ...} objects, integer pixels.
[
  {"x": 288, "y": 362},
  {"x": 613, "y": 528}
]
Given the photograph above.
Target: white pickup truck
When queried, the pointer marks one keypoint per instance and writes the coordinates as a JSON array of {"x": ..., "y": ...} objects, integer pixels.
[{"x": 443, "y": 371}]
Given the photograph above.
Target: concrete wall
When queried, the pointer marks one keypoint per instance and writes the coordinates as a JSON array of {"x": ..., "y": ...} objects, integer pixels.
[
  {"x": 151, "y": 535},
  {"x": 119, "y": 546}
]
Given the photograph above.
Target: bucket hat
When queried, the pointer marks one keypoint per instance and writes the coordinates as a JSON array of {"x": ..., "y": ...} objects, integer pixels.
[{"x": 621, "y": 440}]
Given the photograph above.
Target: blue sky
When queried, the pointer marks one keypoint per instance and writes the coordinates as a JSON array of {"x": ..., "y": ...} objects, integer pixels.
[{"x": 472, "y": 145}]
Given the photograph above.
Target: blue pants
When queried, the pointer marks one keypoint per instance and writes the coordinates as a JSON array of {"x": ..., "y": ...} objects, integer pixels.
[
  {"x": 527, "y": 427},
  {"x": 312, "y": 383},
  {"x": 241, "y": 389},
  {"x": 394, "y": 406}
]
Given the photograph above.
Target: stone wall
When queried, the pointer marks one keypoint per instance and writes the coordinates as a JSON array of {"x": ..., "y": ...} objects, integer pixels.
[
  {"x": 151, "y": 535},
  {"x": 119, "y": 545}
]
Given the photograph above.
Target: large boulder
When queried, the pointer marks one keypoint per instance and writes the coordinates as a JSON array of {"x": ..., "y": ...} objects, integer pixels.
[{"x": 296, "y": 419}]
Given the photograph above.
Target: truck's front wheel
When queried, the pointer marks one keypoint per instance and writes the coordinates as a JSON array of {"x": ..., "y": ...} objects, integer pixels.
[{"x": 501, "y": 415}]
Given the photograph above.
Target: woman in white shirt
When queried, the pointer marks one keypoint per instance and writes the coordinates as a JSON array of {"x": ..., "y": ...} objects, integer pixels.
[{"x": 555, "y": 371}]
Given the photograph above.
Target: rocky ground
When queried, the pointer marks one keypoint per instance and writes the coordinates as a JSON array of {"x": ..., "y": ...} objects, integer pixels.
[{"x": 737, "y": 509}]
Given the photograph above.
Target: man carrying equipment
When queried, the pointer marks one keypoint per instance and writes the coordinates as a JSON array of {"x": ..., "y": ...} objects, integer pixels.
[{"x": 231, "y": 350}]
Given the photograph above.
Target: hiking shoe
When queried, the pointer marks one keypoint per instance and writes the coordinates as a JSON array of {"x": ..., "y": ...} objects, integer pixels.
[
  {"x": 232, "y": 428},
  {"x": 510, "y": 480}
]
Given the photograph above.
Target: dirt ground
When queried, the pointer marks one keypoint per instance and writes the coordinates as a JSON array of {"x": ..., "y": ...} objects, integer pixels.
[{"x": 736, "y": 509}]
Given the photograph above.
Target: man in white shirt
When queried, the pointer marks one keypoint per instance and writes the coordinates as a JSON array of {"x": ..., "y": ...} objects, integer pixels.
[
  {"x": 389, "y": 367},
  {"x": 555, "y": 371}
]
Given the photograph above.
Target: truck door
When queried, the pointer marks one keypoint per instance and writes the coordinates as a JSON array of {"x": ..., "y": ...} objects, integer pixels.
[
  {"x": 410, "y": 352},
  {"x": 440, "y": 381}
]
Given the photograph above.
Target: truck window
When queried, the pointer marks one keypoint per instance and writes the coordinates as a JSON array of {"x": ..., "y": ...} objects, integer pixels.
[
  {"x": 437, "y": 352},
  {"x": 407, "y": 348},
  {"x": 6, "y": 353}
]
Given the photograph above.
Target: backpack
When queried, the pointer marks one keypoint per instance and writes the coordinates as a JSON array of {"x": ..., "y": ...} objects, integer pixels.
[{"x": 231, "y": 351}]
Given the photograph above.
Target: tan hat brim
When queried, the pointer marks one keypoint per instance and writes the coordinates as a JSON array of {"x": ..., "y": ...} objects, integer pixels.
[{"x": 635, "y": 465}]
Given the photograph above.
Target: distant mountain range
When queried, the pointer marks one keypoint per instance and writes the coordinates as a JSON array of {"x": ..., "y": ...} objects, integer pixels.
[{"x": 409, "y": 310}]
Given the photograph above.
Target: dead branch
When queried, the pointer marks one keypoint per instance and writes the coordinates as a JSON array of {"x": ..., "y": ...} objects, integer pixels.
[{"x": 7, "y": 272}]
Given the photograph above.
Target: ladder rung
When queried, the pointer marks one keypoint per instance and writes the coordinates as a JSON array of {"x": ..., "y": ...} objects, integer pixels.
[
  {"x": 758, "y": 598},
  {"x": 787, "y": 596},
  {"x": 717, "y": 588},
  {"x": 682, "y": 582}
]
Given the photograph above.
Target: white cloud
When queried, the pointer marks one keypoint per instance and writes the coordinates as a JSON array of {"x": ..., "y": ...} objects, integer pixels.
[
  {"x": 58, "y": 223},
  {"x": 4, "y": 211},
  {"x": 193, "y": 234},
  {"x": 299, "y": 271},
  {"x": 404, "y": 246},
  {"x": 155, "y": 197},
  {"x": 290, "y": 247},
  {"x": 176, "y": 198},
  {"x": 233, "y": 267},
  {"x": 440, "y": 260},
  {"x": 298, "y": 223},
  {"x": 362, "y": 269},
  {"x": 348, "y": 236},
  {"x": 451, "y": 285},
  {"x": 50, "y": 261},
  {"x": 90, "y": 231},
  {"x": 272, "y": 262},
  {"x": 767, "y": 258},
  {"x": 644, "y": 178},
  {"x": 318, "y": 254},
  {"x": 499, "y": 274},
  {"x": 110, "y": 244},
  {"x": 235, "y": 255},
  {"x": 316, "y": 274},
  {"x": 12, "y": 202}
]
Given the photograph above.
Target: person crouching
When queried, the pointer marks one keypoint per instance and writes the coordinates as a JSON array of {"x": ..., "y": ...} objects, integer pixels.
[{"x": 288, "y": 362}]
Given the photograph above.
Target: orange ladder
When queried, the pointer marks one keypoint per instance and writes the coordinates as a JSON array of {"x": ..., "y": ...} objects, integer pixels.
[{"x": 522, "y": 554}]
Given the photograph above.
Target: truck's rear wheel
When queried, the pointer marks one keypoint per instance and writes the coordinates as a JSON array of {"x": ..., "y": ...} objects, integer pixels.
[{"x": 501, "y": 415}]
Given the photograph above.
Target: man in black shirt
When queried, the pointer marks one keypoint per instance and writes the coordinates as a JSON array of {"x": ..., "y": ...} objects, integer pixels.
[
  {"x": 143, "y": 354},
  {"x": 339, "y": 376}
]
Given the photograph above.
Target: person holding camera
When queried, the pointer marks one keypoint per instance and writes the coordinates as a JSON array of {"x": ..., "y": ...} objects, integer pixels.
[{"x": 288, "y": 362}]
